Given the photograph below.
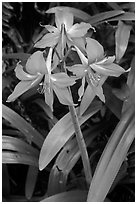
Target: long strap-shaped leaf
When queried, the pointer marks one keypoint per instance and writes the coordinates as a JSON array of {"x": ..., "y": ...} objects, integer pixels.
[
  {"x": 112, "y": 158},
  {"x": 31, "y": 181},
  {"x": 67, "y": 159},
  {"x": 60, "y": 134},
  {"x": 9, "y": 157},
  {"x": 18, "y": 122},
  {"x": 18, "y": 145}
]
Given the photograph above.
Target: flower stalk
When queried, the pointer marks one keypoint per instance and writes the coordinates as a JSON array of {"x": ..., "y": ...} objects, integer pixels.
[
  {"x": 80, "y": 140},
  {"x": 81, "y": 145}
]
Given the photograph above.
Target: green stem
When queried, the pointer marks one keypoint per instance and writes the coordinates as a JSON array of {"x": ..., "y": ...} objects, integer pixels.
[{"x": 81, "y": 144}]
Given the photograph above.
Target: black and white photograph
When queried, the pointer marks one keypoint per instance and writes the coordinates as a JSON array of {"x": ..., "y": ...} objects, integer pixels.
[{"x": 68, "y": 101}]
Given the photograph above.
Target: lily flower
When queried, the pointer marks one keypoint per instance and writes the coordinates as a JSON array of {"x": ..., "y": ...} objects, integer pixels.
[
  {"x": 95, "y": 68},
  {"x": 37, "y": 70},
  {"x": 64, "y": 32}
]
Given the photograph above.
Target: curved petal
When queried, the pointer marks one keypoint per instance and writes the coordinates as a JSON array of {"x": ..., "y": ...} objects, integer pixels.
[
  {"x": 83, "y": 59},
  {"x": 48, "y": 60},
  {"x": 80, "y": 43},
  {"x": 99, "y": 92},
  {"x": 63, "y": 95},
  {"x": 49, "y": 99},
  {"x": 22, "y": 75},
  {"x": 52, "y": 29},
  {"x": 49, "y": 40},
  {"x": 79, "y": 70},
  {"x": 107, "y": 60},
  {"x": 108, "y": 70},
  {"x": 79, "y": 30},
  {"x": 36, "y": 63},
  {"x": 63, "y": 17},
  {"x": 81, "y": 89},
  {"x": 62, "y": 80},
  {"x": 95, "y": 50},
  {"x": 22, "y": 87},
  {"x": 88, "y": 97}
]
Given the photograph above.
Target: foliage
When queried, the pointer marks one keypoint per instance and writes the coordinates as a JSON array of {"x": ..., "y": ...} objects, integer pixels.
[{"x": 68, "y": 86}]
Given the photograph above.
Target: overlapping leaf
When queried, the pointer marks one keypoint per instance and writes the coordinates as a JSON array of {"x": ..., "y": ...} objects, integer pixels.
[
  {"x": 112, "y": 158},
  {"x": 18, "y": 122},
  {"x": 122, "y": 37},
  {"x": 60, "y": 134}
]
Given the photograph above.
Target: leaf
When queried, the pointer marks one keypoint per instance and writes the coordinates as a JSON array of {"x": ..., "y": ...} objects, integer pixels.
[
  {"x": 114, "y": 5},
  {"x": 67, "y": 159},
  {"x": 112, "y": 158},
  {"x": 9, "y": 157},
  {"x": 18, "y": 145},
  {"x": 21, "y": 56},
  {"x": 112, "y": 102},
  {"x": 31, "y": 181},
  {"x": 130, "y": 102},
  {"x": 122, "y": 37},
  {"x": 122, "y": 93},
  {"x": 57, "y": 181},
  {"x": 18, "y": 122},
  {"x": 70, "y": 196},
  {"x": 104, "y": 16},
  {"x": 127, "y": 16},
  {"x": 76, "y": 12},
  {"x": 60, "y": 134}
]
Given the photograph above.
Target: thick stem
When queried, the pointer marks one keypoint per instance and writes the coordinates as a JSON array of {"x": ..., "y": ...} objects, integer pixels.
[
  {"x": 81, "y": 144},
  {"x": 79, "y": 135}
]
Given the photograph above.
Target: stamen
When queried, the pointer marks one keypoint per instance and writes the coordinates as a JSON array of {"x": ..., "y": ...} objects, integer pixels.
[
  {"x": 93, "y": 78},
  {"x": 44, "y": 87}
]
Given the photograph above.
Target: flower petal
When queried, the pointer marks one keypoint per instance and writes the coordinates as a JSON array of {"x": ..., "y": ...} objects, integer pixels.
[
  {"x": 22, "y": 75},
  {"x": 107, "y": 60},
  {"x": 108, "y": 70},
  {"x": 63, "y": 17},
  {"x": 36, "y": 63},
  {"x": 95, "y": 50},
  {"x": 56, "y": 56},
  {"x": 79, "y": 30},
  {"x": 79, "y": 70},
  {"x": 62, "y": 80},
  {"x": 83, "y": 59},
  {"x": 81, "y": 89},
  {"x": 22, "y": 87},
  {"x": 52, "y": 29},
  {"x": 80, "y": 43},
  {"x": 49, "y": 99},
  {"x": 99, "y": 92},
  {"x": 63, "y": 95},
  {"x": 48, "y": 60},
  {"x": 49, "y": 40},
  {"x": 88, "y": 97}
]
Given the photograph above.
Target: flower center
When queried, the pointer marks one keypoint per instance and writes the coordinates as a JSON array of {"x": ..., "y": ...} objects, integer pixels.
[
  {"x": 44, "y": 87},
  {"x": 93, "y": 78}
]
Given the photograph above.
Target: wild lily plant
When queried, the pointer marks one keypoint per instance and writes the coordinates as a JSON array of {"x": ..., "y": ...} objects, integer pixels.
[{"x": 48, "y": 69}]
